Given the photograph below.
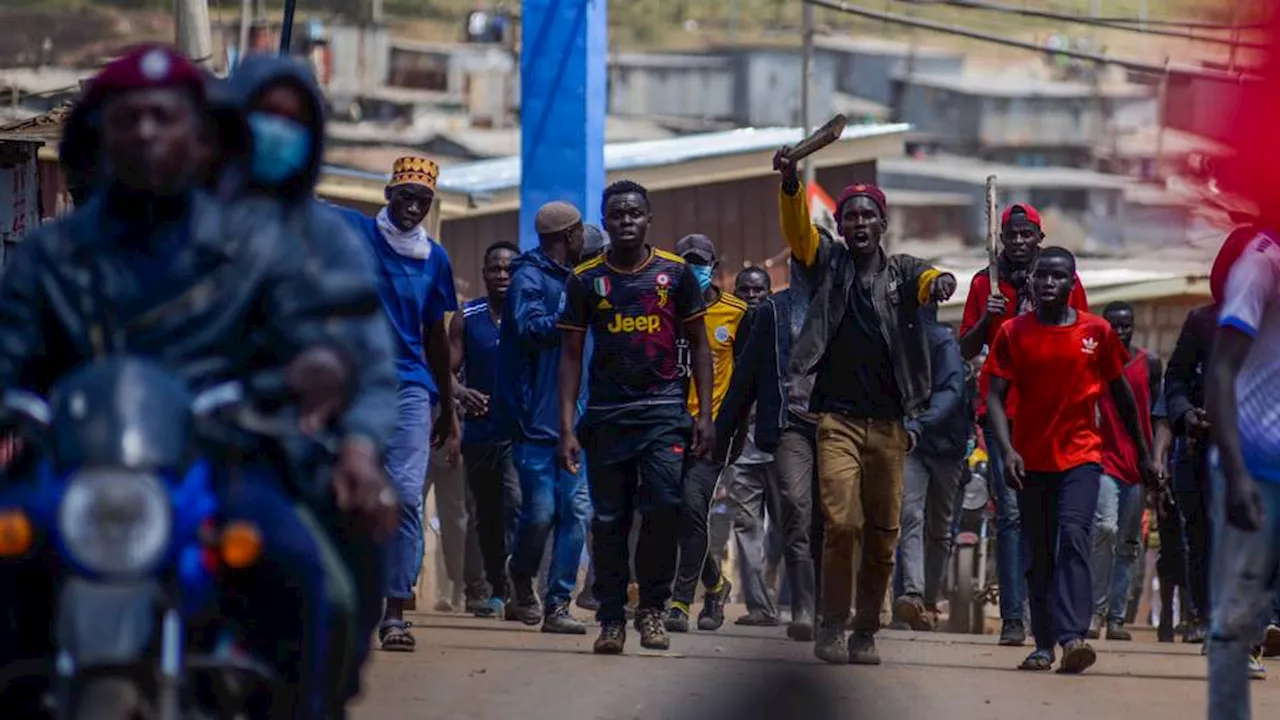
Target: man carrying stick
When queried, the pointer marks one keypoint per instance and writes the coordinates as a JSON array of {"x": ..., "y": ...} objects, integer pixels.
[{"x": 863, "y": 339}]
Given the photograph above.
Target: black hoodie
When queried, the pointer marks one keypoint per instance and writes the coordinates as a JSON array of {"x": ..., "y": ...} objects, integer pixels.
[{"x": 327, "y": 238}]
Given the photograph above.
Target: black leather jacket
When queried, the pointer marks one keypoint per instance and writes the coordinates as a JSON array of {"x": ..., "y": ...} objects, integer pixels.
[{"x": 216, "y": 311}]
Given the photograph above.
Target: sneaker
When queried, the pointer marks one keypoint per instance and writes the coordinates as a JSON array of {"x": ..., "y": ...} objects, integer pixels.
[
  {"x": 477, "y": 605},
  {"x": 613, "y": 636},
  {"x": 1257, "y": 671},
  {"x": 1013, "y": 634},
  {"x": 1095, "y": 628},
  {"x": 443, "y": 606},
  {"x": 587, "y": 601},
  {"x": 677, "y": 621},
  {"x": 862, "y": 649},
  {"x": 560, "y": 622},
  {"x": 1077, "y": 656},
  {"x": 1117, "y": 631},
  {"x": 1164, "y": 634},
  {"x": 801, "y": 627},
  {"x": 1271, "y": 642},
  {"x": 910, "y": 611},
  {"x": 524, "y": 613},
  {"x": 756, "y": 618},
  {"x": 491, "y": 608},
  {"x": 653, "y": 634},
  {"x": 1196, "y": 632},
  {"x": 712, "y": 615},
  {"x": 830, "y": 647}
]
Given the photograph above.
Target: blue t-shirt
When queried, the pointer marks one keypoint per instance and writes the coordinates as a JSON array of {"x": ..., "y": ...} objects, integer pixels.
[
  {"x": 480, "y": 357},
  {"x": 415, "y": 295}
]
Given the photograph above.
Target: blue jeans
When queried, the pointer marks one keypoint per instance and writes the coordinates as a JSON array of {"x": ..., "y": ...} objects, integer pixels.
[
  {"x": 408, "y": 454},
  {"x": 1011, "y": 565},
  {"x": 1245, "y": 569},
  {"x": 1117, "y": 543},
  {"x": 551, "y": 498}
]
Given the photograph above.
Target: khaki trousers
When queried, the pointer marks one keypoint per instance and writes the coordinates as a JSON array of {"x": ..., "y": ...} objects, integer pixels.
[{"x": 860, "y": 477}]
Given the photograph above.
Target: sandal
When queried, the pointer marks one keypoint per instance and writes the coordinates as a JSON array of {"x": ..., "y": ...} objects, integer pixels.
[
  {"x": 1038, "y": 661},
  {"x": 395, "y": 637}
]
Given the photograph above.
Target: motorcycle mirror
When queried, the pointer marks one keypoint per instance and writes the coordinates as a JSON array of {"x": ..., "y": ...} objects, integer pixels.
[
  {"x": 19, "y": 407},
  {"x": 333, "y": 296}
]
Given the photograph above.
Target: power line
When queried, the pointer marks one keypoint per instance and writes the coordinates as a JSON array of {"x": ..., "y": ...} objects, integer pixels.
[
  {"x": 1192, "y": 24},
  {"x": 1097, "y": 22},
  {"x": 1126, "y": 63}
]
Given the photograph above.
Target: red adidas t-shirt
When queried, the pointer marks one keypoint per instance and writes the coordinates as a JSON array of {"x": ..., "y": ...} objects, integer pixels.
[
  {"x": 975, "y": 306},
  {"x": 1058, "y": 372}
]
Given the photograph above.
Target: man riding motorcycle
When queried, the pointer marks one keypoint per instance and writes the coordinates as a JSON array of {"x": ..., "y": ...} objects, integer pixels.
[{"x": 152, "y": 266}]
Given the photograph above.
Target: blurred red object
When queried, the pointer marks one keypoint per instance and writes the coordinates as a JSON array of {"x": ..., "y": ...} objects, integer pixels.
[{"x": 1252, "y": 168}]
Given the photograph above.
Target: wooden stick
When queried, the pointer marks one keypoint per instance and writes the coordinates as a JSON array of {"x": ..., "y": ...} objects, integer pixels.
[{"x": 993, "y": 234}]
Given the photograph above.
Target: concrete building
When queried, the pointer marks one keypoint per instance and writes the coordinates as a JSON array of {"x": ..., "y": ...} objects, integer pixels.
[
  {"x": 1016, "y": 119},
  {"x": 1088, "y": 206},
  {"x": 866, "y": 66}
]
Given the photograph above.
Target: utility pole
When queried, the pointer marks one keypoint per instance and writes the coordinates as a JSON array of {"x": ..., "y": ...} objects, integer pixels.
[
  {"x": 246, "y": 19},
  {"x": 806, "y": 86},
  {"x": 195, "y": 38}
]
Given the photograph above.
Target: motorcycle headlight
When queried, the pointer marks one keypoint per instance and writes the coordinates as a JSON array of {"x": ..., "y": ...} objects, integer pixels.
[
  {"x": 115, "y": 522},
  {"x": 975, "y": 493}
]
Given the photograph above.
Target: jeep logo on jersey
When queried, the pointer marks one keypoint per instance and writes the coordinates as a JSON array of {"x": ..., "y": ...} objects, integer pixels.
[{"x": 639, "y": 323}]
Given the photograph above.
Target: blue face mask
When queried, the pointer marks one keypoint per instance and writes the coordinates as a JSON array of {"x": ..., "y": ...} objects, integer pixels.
[
  {"x": 281, "y": 148},
  {"x": 703, "y": 275}
]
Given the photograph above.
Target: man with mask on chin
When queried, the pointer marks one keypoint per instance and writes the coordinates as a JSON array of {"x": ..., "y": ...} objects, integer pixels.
[
  {"x": 275, "y": 104},
  {"x": 203, "y": 288},
  {"x": 724, "y": 318},
  {"x": 415, "y": 283}
]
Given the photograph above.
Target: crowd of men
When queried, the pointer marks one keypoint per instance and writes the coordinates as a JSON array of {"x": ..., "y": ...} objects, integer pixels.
[{"x": 603, "y": 388}]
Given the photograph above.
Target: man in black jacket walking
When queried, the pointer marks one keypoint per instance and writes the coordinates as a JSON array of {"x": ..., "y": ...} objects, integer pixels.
[
  {"x": 1184, "y": 398},
  {"x": 938, "y": 437}
]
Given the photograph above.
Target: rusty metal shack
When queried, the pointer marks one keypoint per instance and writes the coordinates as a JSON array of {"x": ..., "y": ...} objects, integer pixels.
[{"x": 22, "y": 177}]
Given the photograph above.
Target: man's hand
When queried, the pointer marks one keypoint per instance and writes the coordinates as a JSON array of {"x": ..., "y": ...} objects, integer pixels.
[
  {"x": 704, "y": 437},
  {"x": 785, "y": 165},
  {"x": 570, "y": 452},
  {"x": 474, "y": 403},
  {"x": 319, "y": 379},
  {"x": 446, "y": 436},
  {"x": 1196, "y": 421},
  {"x": 944, "y": 286},
  {"x": 360, "y": 487},
  {"x": 1015, "y": 470},
  {"x": 1152, "y": 473},
  {"x": 1244, "y": 504},
  {"x": 996, "y": 304}
]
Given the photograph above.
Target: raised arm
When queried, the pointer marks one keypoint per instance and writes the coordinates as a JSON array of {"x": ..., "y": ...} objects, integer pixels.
[{"x": 793, "y": 212}]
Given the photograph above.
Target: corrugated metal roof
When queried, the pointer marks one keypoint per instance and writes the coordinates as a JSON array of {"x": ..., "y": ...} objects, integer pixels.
[
  {"x": 484, "y": 176},
  {"x": 1020, "y": 85},
  {"x": 974, "y": 172}
]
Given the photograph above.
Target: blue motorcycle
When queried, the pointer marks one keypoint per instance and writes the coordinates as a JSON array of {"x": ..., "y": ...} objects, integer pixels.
[{"x": 118, "y": 492}]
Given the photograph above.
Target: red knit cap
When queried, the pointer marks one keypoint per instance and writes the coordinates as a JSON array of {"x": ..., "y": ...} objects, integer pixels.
[
  {"x": 1231, "y": 250},
  {"x": 870, "y": 191},
  {"x": 146, "y": 67}
]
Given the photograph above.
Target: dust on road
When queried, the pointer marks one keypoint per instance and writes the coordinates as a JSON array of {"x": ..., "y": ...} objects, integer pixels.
[{"x": 489, "y": 670}]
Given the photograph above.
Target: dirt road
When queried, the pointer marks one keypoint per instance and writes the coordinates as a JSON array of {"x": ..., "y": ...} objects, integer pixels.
[{"x": 486, "y": 670}]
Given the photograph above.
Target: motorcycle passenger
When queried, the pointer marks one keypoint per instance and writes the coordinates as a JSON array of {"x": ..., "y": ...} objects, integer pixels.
[
  {"x": 118, "y": 274},
  {"x": 284, "y": 112}
]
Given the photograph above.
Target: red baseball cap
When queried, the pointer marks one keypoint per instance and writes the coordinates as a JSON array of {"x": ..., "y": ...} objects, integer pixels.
[{"x": 1033, "y": 215}]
